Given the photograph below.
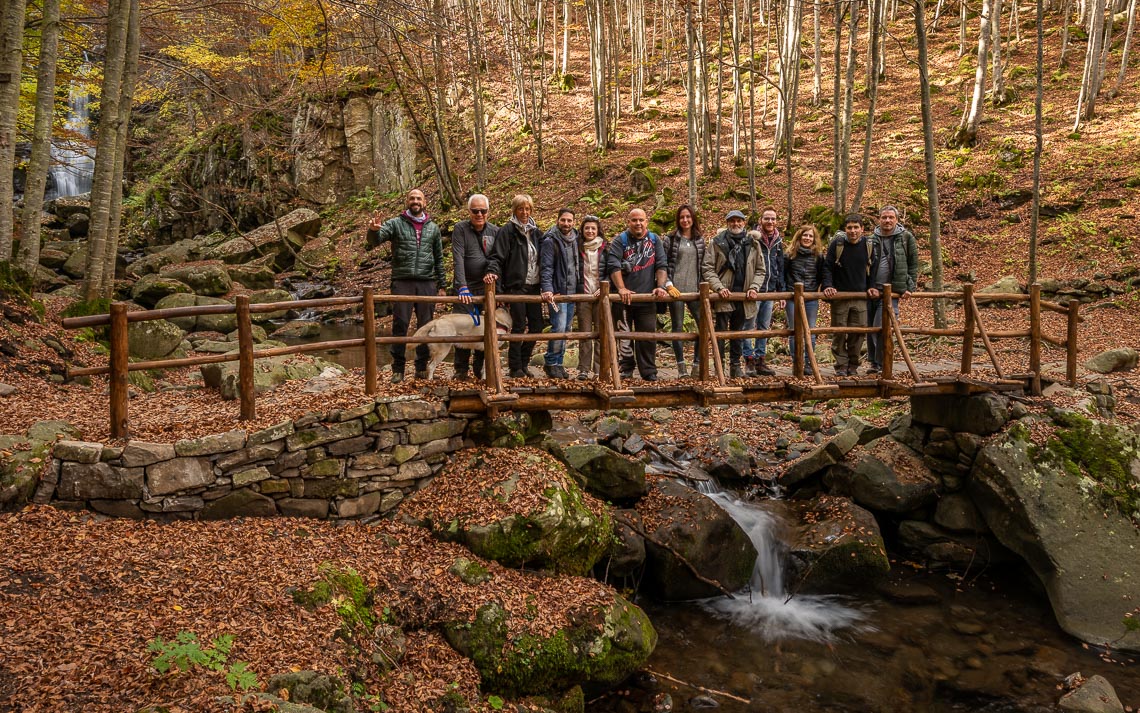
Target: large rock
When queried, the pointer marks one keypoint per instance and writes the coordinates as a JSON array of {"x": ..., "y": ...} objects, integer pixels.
[
  {"x": 154, "y": 339},
  {"x": 1070, "y": 508},
  {"x": 240, "y": 503},
  {"x": 177, "y": 474},
  {"x": 682, "y": 523},
  {"x": 66, "y": 206},
  {"x": 1095, "y": 695},
  {"x": 380, "y": 144},
  {"x": 268, "y": 373},
  {"x": 1122, "y": 359},
  {"x": 269, "y": 296},
  {"x": 223, "y": 323},
  {"x": 885, "y": 476},
  {"x": 731, "y": 459},
  {"x": 76, "y": 264},
  {"x": 296, "y": 227},
  {"x": 982, "y": 414},
  {"x": 519, "y": 507},
  {"x": 824, "y": 455},
  {"x": 837, "y": 546},
  {"x": 152, "y": 288},
  {"x": 253, "y": 275},
  {"x": 606, "y": 473},
  {"x": 602, "y": 646},
  {"x": 179, "y": 252},
  {"x": 205, "y": 278},
  {"x": 99, "y": 481},
  {"x": 1007, "y": 285}
]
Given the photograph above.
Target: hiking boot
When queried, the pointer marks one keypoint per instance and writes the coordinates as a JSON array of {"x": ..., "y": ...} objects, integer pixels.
[
  {"x": 397, "y": 377},
  {"x": 421, "y": 374},
  {"x": 841, "y": 371},
  {"x": 763, "y": 369},
  {"x": 519, "y": 374},
  {"x": 583, "y": 376},
  {"x": 682, "y": 370},
  {"x": 735, "y": 372},
  {"x": 462, "y": 376},
  {"x": 874, "y": 369},
  {"x": 551, "y": 371},
  {"x": 749, "y": 366}
]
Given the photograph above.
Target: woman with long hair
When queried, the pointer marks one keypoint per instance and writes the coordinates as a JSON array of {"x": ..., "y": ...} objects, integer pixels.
[
  {"x": 592, "y": 246},
  {"x": 803, "y": 262},
  {"x": 685, "y": 248}
]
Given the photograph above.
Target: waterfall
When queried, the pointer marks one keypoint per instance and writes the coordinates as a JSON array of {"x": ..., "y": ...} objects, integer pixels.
[
  {"x": 767, "y": 608},
  {"x": 73, "y": 158}
]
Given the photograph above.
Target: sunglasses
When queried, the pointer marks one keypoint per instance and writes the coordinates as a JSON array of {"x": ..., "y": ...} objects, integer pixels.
[{"x": 478, "y": 211}]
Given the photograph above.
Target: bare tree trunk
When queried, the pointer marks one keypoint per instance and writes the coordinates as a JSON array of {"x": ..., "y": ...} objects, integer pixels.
[
  {"x": 999, "y": 94},
  {"x": 967, "y": 134},
  {"x": 931, "y": 163},
  {"x": 1039, "y": 144},
  {"x": 690, "y": 41},
  {"x": 719, "y": 89},
  {"x": 565, "y": 37},
  {"x": 737, "y": 85},
  {"x": 126, "y": 99},
  {"x": 844, "y": 158},
  {"x": 751, "y": 105},
  {"x": 11, "y": 60},
  {"x": 474, "y": 29},
  {"x": 1015, "y": 21},
  {"x": 874, "y": 11},
  {"x": 836, "y": 111},
  {"x": 1090, "y": 82},
  {"x": 789, "y": 49},
  {"x": 1066, "y": 15},
  {"x": 40, "y": 160},
  {"x": 817, "y": 70},
  {"x": 106, "y": 156},
  {"x": 961, "y": 29},
  {"x": 637, "y": 52},
  {"x": 704, "y": 125},
  {"x": 1124, "y": 52}
]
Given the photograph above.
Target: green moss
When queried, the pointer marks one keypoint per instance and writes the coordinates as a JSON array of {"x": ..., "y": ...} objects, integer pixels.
[
  {"x": 811, "y": 423},
  {"x": 15, "y": 283},
  {"x": 469, "y": 571},
  {"x": 1085, "y": 448}
]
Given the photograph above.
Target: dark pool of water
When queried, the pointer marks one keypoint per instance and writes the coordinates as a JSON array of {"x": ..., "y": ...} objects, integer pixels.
[{"x": 348, "y": 358}]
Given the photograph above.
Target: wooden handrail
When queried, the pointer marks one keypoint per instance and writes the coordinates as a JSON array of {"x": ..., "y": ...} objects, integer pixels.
[{"x": 712, "y": 367}]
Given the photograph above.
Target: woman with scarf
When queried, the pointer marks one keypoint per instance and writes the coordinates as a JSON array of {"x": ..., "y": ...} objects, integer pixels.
[
  {"x": 514, "y": 263},
  {"x": 592, "y": 250},
  {"x": 804, "y": 262},
  {"x": 685, "y": 247}
]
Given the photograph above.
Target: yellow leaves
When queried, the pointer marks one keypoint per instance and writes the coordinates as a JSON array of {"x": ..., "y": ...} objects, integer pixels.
[{"x": 198, "y": 55}]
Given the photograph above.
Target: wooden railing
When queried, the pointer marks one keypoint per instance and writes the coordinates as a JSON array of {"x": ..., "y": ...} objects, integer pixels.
[{"x": 711, "y": 369}]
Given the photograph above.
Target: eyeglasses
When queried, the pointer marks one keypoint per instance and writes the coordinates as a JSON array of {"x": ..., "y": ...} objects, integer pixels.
[{"x": 478, "y": 211}]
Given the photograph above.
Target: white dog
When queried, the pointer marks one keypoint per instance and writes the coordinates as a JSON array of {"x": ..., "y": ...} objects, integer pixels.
[{"x": 458, "y": 325}]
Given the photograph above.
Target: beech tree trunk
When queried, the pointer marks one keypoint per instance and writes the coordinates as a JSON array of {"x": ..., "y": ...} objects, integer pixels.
[
  {"x": 1038, "y": 146},
  {"x": 967, "y": 134},
  {"x": 844, "y": 158},
  {"x": 126, "y": 99},
  {"x": 933, "y": 211},
  {"x": 789, "y": 49},
  {"x": 874, "y": 11},
  {"x": 1124, "y": 52},
  {"x": 11, "y": 61},
  {"x": 106, "y": 153},
  {"x": 837, "y": 200},
  {"x": 1091, "y": 77},
  {"x": 817, "y": 70},
  {"x": 473, "y": 25},
  {"x": 1000, "y": 96},
  {"x": 40, "y": 161},
  {"x": 690, "y": 42}
]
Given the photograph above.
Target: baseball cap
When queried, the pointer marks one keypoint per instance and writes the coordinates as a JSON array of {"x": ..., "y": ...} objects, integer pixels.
[{"x": 734, "y": 214}]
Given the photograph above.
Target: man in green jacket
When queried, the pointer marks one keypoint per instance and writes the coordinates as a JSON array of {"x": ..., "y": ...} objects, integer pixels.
[
  {"x": 417, "y": 269},
  {"x": 894, "y": 262}
]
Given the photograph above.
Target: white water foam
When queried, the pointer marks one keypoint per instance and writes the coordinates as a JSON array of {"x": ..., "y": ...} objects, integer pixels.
[{"x": 765, "y": 607}]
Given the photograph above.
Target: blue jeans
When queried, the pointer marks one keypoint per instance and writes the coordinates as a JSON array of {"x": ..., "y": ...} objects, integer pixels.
[
  {"x": 874, "y": 342},
  {"x": 762, "y": 320},
  {"x": 811, "y": 309},
  {"x": 560, "y": 321}
]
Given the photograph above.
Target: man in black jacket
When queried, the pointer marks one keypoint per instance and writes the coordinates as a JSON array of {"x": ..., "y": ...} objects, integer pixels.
[
  {"x": 417, "y": 269},
  {"x": 471, "y": 243},
  {"x": 847, "y": 268}
]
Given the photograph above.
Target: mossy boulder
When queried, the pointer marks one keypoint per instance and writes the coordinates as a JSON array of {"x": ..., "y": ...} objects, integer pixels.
[
  {"x": 731, "y": 459},
  {"x": 201, "y": 323},
  {"x": 838, "y": 546},
  {"x": 1070, "y": 507},
  {"x": 296, "y": 228},
  {"x": 313, "y": 688},
  {"x": 269, "y": 296},
  {"x": 154, "y": 339},
  {"x": 516, "y": 428},
  {"x": 253, "y": 275},
  {"x": 661, "y": 155},
  {"x": 209, "y": 279},
  {"x": 152, "y": 288},
  {"x": 606, "y": 473},
  {"x": 317, "y": 255},
  {"x": 268, "y": 373},
  {"x": 643, "y": 181},
  {"x": 824, "y": 218},
  {"x": 518, "y": 507},
  {"x": 682, "y": 523},
  {"x": 602, "y": 646}
]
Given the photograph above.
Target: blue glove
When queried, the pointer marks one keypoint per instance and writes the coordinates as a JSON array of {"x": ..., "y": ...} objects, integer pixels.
[{"x": 472, "y": 310}]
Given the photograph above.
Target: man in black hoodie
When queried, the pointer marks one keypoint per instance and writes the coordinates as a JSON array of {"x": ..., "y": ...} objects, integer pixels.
[{"x": 847, "y": 268}]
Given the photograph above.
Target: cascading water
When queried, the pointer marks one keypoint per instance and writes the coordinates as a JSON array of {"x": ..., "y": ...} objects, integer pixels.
[
  {"x": 768, "y": 609},
  {"x": 73, "y": 159}
]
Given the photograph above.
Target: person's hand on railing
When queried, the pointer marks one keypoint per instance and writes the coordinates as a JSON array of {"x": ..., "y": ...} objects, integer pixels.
[
  {"x": 753, "y": 295},
  {"x": 548, "y": 297},
  {"x": 626, "y": 295},
  {"x": 464, "y": 295},
  {"x": 489, "y": 278},
  {"x": 904, "y": 295},
  {"x": 659, "y": 293},
  {"x": 725, "y": 293},
  {"x": 673, "y": 291},
  {"x": 596, "y": 294},
  {"x": 872, "y": 293},
  {"x": 829, "y": 291}
]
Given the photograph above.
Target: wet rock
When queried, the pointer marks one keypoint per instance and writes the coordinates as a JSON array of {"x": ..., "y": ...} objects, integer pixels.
[
  {"x": 731, "y": 460},
  {"x": 885, "y": 476},
  {"x": 819, "y": 459},
  {"x": 907, "y": 432},
  {"x": 627, "y": 551},
  {"x": 682, "y": 523},
  {"x": 612, "y": 427},
  {"x": 297, "y": 329},
  {"x": 957, "y": 512},
  {"x": 909, "y": 593},
  {"x": 1045, "y": 505},
  {"x": 607, "y": 474},
  {"x": 703, "y": 703},
  {"x": 981, "y": 414},
  {"x": 1095, "y": 695},
  {"x": 152, "y": 288},
  {"x": 838, "y": 545},
  {"x": 1122, "y": 359}
]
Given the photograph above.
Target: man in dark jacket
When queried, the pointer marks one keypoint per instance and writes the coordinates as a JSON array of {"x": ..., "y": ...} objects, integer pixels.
[
  {"x": 471, "y": 243},
  {"x": 514, "y": 263},
  {"x": 637, "y": 264},
  {"x": 896, "y": 263},
  {"x": 847, "y": 268},
  {"x": 560, "y": 273},
  {"x": 417, "y": 269},
  {"x": 772, "y": 246}
]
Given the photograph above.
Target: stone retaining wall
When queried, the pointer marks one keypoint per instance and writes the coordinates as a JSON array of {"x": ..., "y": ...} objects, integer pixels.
[{"x": 343, "y": 464}]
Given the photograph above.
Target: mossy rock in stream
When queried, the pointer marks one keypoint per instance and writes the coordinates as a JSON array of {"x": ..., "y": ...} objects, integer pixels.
[{"x": 598, "y": 649}]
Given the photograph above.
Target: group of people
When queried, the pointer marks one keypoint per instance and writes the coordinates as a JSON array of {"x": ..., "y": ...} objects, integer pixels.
[{"x": 574, "y": 257}]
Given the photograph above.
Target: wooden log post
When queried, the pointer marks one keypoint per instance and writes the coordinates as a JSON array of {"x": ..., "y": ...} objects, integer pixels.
[
  {"x": 245, "y": 358},
  {"x": 886, "y": 338},
  {"x": 370, "y": 365},
  {"x": 704, "y": 337},
  {"x": 120, "y": 358},
  {"x": 1071, "y": 342},
  {"x": 801, "y": 317},
  {"x": 491, "y": 366},
  {"x": 798, "y": 338},
  {"x": 1035, "y": 337},
  {"x": 710, "y": 328},
  {"x": 967, "y": 328}
]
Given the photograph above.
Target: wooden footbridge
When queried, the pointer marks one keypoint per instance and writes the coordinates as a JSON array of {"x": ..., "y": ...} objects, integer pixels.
[{"x": 708, "y": 387}]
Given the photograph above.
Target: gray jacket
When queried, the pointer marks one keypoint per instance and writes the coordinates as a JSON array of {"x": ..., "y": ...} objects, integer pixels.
[
  {"x": 468, "y": 255},
  {"x": 718, "y": 273}
]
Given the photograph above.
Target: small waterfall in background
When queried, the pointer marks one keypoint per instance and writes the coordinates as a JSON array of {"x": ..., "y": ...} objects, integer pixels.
[
  {"x": 73, "y": 159},
  {"x": 767, "y": 609}
]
